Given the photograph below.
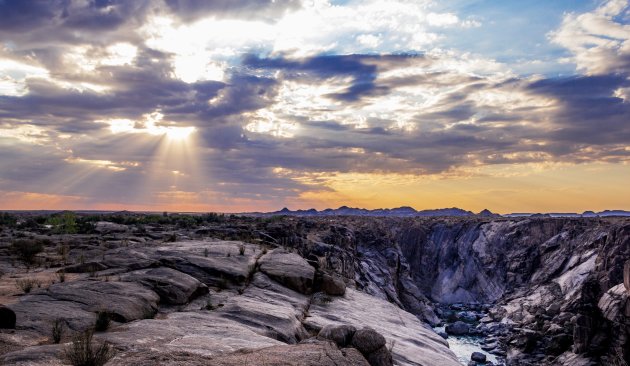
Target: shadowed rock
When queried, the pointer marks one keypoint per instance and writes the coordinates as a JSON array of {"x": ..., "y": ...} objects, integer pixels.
[
  {"x": 7, "y": 318},
  {"x": 333, "y": 285},
  {"x": 340, "y": 334},
  {"x": 174, "y": 287},
  {"x": 367, "y": 340},
  {"x": 77, "y": 302},
  {"x": 458, "y": 328},
  {"x": 289, "y": 269}
]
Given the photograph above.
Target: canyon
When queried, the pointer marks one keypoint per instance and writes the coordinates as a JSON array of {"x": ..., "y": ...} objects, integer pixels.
[{"x": 218, "y": 289}]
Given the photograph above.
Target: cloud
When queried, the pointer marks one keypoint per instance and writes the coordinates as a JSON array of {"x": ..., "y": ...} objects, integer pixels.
[
  {"x": 599, "y": 40},
  {"x": 265, "y": 102}
]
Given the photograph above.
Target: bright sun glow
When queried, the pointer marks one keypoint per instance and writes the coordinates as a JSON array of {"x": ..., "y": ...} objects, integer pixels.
[{"x": 150, "y": 126}]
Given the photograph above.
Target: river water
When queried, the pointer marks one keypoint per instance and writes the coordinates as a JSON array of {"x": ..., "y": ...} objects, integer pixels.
[{"x": 464, "y": 346}]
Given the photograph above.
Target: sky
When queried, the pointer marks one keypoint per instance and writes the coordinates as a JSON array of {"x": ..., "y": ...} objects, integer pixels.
[{"x": 234, "y": 105}]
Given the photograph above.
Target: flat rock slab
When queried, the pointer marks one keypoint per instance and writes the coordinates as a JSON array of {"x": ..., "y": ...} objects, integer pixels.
[
  {"x": 289, "y": 269},
  {"x": 77, "y": 302},
  {"x": 213, "y": 263},
  {"x": 172, "y": 286},
  {"x": 48, "y": 355},
  {"x": 269, "y": 309},
  {"x": 312, "y": 354},
  {"x": 415, "y": 343},
  {"x": 203, "y": 333}
]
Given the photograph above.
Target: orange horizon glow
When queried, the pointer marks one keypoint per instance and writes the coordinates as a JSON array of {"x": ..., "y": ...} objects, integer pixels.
[{"x": 546, "y": 190}]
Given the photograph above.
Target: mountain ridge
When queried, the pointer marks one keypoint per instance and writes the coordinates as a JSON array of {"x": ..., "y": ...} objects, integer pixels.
[{"x": 407, "y": 211}]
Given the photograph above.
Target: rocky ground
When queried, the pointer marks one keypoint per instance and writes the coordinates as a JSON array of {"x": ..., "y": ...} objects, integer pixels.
[
  {"x": 221, "y": 290},
  {"x": 182, "y": 297}
]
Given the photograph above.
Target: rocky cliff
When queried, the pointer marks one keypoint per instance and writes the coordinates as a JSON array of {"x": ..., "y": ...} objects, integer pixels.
[
  {"x": 547, "y": 278},
  {"x": 546, "y": 291}
]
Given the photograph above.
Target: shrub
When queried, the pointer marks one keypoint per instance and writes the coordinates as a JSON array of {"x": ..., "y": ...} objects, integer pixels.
[
  {"x": 6, "y": 219},
  {"x": 63, "y": 251},
  {"x": 27, "y": 284},
  {"x": 83, "y": 353},
  {"x": 63, "y": 223},
  {"x": 102, "y": 321},
  {"x": 241, "y": 249},
  {"x": 61, "y": 275},
  {"x": 57, "y": 330},
  {"x": 27, "y": 249}
]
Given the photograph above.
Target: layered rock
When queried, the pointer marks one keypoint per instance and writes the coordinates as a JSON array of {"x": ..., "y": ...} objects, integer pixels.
[{"x": 219, "y": 304}]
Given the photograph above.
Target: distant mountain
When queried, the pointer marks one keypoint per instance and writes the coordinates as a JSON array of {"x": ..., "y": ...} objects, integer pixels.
[
  {"x": 613, "y": 213},
  {"x": 404, "y": 211},
  {"x": 488, "y": 213},
  {"x": 605, "y": 213}
]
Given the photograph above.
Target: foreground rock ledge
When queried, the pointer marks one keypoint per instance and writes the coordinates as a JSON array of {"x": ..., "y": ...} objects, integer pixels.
[{"x": 216, "y": 306}]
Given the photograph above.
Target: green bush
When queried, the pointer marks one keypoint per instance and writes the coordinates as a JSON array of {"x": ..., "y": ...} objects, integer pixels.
[{"x": 63, "y": 223}]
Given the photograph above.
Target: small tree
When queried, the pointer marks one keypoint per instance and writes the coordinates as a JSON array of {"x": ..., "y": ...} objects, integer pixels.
[{"x": 64, "y": 223}]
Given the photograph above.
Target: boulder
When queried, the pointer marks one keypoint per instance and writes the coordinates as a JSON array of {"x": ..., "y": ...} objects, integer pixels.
[
  {"x": 333, "y": 285},
  {"x": 467, "y": 316},
  {"x": 172, "y": 286},
  {"x": 613, "y": 304},
  {"x": 340, "y": 334},
  {"x": 478, "y": 357},
  {"x": 553, "y": 309},
  {"x": 380, "y": 357},
  {"x": 367, "y": 340},
  {"x": 458, "y": 328},
  {"x": 7, "y": 318},
  {"x": 289, "y": 269}
]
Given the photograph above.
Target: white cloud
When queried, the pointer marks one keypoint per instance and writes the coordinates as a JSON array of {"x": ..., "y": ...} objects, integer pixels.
[
  {"x": 14, "y": 74},
  {"x": 316, "y": 27},
  {"x": 369, "y": 40},
  {"x": 598, "y": 41}
]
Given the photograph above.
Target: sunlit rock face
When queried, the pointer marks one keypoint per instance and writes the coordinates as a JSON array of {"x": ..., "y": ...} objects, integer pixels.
[{"x": 543, "y": 275}]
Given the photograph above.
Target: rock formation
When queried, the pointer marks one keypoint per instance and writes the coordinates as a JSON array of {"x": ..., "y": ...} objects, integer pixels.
[{"x": 548, "y": 291}]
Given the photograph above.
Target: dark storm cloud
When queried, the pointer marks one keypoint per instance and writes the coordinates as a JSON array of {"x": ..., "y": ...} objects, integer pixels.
[
  {"x": 243, "y": 93},
  {"x": 359, "y": 67},
  {"x": 589, "y": 112}
]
